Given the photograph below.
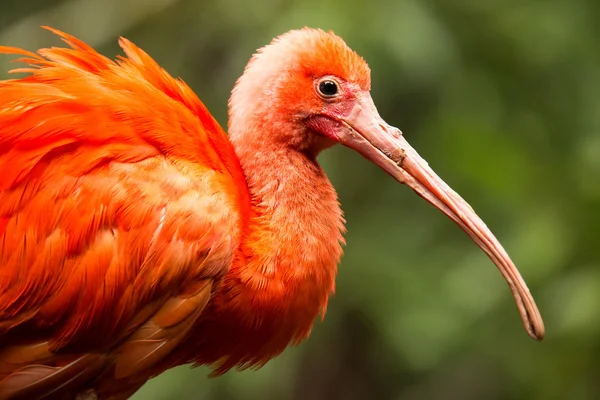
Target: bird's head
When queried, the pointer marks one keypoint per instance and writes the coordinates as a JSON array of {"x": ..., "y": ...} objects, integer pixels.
[{"x": 308, "y": 90}]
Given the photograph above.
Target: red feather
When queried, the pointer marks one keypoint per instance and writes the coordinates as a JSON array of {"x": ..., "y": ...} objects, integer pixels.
[{"x": 102, "y": 242}]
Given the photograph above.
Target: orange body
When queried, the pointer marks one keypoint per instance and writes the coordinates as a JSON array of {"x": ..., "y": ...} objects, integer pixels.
[{"x": 135, "y": 235}]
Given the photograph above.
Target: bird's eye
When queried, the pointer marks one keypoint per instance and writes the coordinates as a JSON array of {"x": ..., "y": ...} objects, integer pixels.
[{"x": 328, "y": 88}]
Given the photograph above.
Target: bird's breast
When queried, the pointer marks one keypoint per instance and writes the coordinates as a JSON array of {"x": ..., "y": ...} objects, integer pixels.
[{"x": 279, "y": 283}]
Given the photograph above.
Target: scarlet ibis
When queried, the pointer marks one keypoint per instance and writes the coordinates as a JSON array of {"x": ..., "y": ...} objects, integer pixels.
[{"x": 137, "y": 236}]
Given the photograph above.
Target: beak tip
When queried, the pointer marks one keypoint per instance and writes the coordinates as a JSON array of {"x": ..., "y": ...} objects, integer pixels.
[
  {"x": 535, "y": 329},
  {"x": 539, "y": 334}
]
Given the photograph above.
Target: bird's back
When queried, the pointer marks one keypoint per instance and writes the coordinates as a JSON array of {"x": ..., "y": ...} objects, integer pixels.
[{"x": 121, "y": 205}]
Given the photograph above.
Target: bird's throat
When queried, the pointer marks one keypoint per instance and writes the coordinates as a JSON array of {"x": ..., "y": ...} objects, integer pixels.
[{"x": 296, "y": 230}]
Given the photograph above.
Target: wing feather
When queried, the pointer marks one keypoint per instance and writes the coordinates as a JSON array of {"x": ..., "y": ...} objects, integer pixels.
[{"x": 121, "y": 204}]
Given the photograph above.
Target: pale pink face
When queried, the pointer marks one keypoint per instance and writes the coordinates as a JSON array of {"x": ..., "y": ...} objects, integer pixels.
[{"x": 325, "y": 87}]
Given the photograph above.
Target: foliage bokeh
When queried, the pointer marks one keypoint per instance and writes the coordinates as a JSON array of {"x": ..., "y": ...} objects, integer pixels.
[{"x": 502, "y": 97}]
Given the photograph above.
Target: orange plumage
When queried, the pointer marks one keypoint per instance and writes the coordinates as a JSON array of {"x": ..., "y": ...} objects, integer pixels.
[{"x": 135, "y": 235}]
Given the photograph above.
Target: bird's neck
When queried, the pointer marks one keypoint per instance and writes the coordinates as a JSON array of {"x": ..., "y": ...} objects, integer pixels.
[
  {"x": 294, "y": 242},
  {"x": 285, "y": 269}
]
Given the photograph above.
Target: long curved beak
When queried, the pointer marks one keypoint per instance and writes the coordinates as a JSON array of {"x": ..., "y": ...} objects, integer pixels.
[{"x": 384, "y": 145}]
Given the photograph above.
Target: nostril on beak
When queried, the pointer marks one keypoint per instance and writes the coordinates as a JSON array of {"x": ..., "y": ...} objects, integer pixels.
[{"x": 394, "y": 132}]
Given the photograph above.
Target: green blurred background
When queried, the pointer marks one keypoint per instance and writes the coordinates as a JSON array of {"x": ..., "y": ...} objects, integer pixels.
[{"x": 502, "y": 97}]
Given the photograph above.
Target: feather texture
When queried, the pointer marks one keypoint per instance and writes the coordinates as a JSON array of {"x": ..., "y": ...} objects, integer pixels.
[{"x": 119, "y": 205}]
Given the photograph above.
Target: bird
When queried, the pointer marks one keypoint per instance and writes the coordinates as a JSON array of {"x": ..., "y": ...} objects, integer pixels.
[{"x": 137, "y": 235}]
